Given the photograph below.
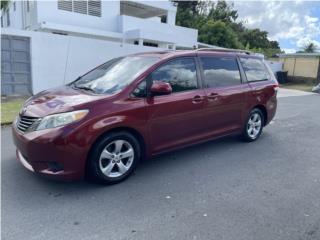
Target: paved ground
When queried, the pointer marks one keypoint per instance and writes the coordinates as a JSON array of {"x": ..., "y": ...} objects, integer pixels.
[
  {"x": 225, "y": 189},
  {"x": 285, "y": 92}
]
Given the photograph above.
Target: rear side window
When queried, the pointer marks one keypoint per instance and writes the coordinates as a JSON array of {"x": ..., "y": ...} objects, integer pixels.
[
  {"x": 254, "y": 69},
  {"x": 180, "y": 73},
  {"x": 220, "y": 72}
]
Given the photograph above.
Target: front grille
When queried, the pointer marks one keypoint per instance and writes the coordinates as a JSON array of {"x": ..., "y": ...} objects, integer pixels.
[{"x": 25, "y": 122}]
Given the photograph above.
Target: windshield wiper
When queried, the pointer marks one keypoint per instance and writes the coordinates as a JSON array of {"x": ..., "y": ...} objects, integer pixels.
[{"x": 84, "y": 88}]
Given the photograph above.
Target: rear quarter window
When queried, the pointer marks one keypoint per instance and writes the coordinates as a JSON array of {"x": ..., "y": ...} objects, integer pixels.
[{"x": 254, "y": 69}]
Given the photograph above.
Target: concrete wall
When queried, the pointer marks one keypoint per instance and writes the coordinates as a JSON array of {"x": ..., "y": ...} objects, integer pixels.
[
  {"x": 288, "y": 65},
  {"x": 147, "y": 29},
  {"x": 58, "y": 59},
  {"x": 304, "y": 67},
  {"x": 48, "y": 12}
]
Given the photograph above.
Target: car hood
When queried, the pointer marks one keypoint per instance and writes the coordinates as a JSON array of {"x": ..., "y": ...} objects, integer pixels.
[{"x": 57, "y": 100}]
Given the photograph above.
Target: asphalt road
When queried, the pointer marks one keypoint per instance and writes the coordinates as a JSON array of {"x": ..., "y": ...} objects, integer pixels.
[{"x": 223, "y": 189}]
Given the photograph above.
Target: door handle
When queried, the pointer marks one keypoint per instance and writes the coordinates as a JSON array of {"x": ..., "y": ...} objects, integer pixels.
[
  {"x": 257, "y": 92},
  {"x": 197, "y": 99},
  {"x": 213, "y": 96}
]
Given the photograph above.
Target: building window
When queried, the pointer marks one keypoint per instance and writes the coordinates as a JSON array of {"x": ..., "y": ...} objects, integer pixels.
[
  {"x": 88, "y": 7},
  {"x": 164, "y": 19},
  {"x": 150, "y": 44},
  {"x": 14, "y": 6},
  {"x": 8, "y": 18},
  {"x": 1, "y": 21},
  {"x": 80, "y": 7},
  {"x": 28, "y": 6},
  {"x": 94, "y": 8},
  {"x": 65, "y": 5}
]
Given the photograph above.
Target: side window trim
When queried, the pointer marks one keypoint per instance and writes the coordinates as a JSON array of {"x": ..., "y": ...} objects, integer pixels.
[
  {"x": 243, "y": 76},
  {"x": 149, "y": 79},
  {"x": 199, "y": 73},
  {"x": 204, "y": 83},
  {"x": 132, "y": 94}
]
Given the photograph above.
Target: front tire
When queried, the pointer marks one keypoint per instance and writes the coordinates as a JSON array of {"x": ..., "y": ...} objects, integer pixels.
[
  {"x": 114, "y": 157},
  {"x": 253, "y": 126}
]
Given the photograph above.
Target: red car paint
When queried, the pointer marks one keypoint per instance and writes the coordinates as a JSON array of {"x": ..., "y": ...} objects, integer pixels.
[{"x": 163, "y": 123}]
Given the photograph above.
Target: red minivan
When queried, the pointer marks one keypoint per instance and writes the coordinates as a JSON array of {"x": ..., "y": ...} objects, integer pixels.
[{"x": 141, "y": 105}]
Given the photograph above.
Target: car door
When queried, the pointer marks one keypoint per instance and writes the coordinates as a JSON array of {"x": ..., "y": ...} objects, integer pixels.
[
  {"x": 177, "y": 118},
  {"x": 225, "y": 92}
]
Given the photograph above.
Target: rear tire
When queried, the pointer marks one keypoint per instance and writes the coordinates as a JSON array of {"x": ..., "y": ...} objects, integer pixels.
[
  {"x": 253, "y": 126},
  {"x": 114, "y": 157}
]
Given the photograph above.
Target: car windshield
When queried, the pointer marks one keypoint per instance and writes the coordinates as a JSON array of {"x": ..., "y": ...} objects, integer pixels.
[{"x": 114, "y": 75}]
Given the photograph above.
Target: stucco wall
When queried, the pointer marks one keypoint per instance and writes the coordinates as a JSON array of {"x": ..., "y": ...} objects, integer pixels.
[
  {"x": 306, "y": 67},
  {"x": 58, "y": 59},
  {"x": 49, "y": 12}
]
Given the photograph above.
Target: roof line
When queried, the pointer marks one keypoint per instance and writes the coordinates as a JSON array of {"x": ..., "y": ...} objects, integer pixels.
[{"x": 224, "y": 50}]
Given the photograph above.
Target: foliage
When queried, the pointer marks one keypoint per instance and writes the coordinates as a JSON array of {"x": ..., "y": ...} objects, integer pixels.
[
  {"x": 217, "y": 25},
  {"x": 310, "y": 48},
  {"x": 218, "y": 33},
  {"x": 10, "y": 109},
  {"x": 4, "y": 4}
]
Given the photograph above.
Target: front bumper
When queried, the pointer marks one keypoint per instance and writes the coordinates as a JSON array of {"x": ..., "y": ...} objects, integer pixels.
[{"x": 51, "y": 153}]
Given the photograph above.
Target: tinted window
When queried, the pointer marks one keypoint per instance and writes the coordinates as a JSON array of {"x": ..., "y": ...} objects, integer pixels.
[
  {"x": 115, "y": 75},
  {"x": 220, "y": 72},
  {"x": 180, "y": 73},
  {"x": 254, "y": 69}
]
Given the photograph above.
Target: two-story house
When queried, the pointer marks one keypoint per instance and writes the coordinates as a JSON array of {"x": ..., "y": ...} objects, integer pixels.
[{"x": 47, "y": 43}]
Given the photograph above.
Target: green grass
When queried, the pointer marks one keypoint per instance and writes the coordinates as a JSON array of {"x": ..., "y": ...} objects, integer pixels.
[
  {"x": 10, "y": 109},
  {"x": 307, "y": 87}
]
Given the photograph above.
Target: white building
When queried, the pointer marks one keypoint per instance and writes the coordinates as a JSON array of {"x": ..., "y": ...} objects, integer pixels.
[{"x": 49, "y": 43}]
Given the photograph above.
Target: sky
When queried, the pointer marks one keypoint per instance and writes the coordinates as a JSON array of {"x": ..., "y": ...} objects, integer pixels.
[{"x": 292, "y": 23}]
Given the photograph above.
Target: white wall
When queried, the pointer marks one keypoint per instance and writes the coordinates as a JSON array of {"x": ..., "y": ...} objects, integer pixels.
[
  {"x": 48, "y": 12},
  {"x": 15, "y": 15},
  {"x": 58, "y": 59},
  {"x": 148, "y": 29}
]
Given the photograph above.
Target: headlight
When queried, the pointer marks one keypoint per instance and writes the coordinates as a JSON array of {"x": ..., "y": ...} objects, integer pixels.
[{"x": 61, "y": 119}]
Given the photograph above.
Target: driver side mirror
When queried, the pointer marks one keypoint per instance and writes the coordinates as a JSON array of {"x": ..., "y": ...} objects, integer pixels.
[{"x": 160, "y": 88}]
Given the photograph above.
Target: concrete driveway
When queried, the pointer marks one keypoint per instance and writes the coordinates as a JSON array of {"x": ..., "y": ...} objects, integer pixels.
[{"x": 223, "y": 189}]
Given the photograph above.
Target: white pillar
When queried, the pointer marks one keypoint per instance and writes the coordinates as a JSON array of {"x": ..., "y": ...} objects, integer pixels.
[{"x": 171, "y": 18}]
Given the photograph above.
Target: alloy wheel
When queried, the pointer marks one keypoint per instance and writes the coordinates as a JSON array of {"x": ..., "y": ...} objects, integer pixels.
[
  {"x": 254, "y": 125},
  {"x": 116, "y": 158}
]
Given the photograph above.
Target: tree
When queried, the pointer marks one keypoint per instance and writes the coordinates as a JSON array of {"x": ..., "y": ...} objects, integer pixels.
[
  {"x": 4, "y": 4},
  {"x": 221, "y": 11},
  {"x": 310, "y": 48},
  {"x": 256, "y": 38},
  {"x": 217, "y": 24},
  {"x": 187, "y": 13},
  {"x": 218, "y": 33}
]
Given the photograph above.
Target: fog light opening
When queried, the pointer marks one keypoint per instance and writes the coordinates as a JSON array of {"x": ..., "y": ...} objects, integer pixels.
[{"x": 55, "y": 167}]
